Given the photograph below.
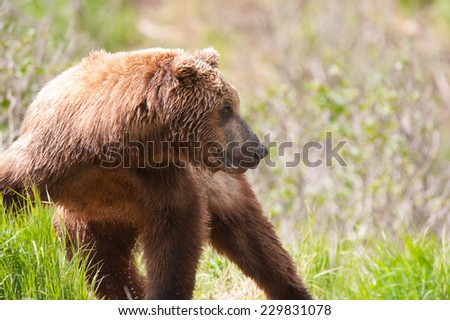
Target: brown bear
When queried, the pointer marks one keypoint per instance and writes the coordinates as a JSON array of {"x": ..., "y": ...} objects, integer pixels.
[{"x": 148, "y": 146}]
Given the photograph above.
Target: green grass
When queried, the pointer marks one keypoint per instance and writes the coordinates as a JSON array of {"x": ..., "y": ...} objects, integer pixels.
[
  {"x": 33, "y": 264},
  {"x": 412, "y": 266}
]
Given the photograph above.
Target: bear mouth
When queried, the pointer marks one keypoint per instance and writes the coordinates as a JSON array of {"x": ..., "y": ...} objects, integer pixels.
[
  {"x": 230, "y": 166},
  {"x": 232, "y": 163}
]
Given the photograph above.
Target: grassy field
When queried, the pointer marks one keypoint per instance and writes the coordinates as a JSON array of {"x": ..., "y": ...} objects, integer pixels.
[{"x": 411, "y": 266}]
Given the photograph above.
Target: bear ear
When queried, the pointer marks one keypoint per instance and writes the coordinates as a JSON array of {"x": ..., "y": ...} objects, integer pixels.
[
  {"x": 185, "y": 69},
  {"x": 189, "y": 68},
  {"x": 209, "y": 55}
]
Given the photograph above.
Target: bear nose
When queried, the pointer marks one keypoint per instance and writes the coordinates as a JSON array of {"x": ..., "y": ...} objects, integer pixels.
[{"x": 261, "y": 151}]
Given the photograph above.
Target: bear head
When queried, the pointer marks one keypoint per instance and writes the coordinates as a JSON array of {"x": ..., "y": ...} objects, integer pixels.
[{"x": 202, "y": 111}]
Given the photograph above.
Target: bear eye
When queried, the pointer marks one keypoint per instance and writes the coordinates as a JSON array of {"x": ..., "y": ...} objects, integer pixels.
[{"x": 226, "y": 110}]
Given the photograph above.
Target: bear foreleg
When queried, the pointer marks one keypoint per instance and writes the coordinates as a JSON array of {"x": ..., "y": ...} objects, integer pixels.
[{"x": 241, "y": 232}]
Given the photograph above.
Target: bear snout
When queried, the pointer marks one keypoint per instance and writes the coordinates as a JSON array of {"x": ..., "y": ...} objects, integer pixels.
[
  {"x": 261, "y": 152},
  {"x": 249, "y": 155}
]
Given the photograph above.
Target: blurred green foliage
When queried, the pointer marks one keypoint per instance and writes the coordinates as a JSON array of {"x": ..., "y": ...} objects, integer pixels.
[
  {"x": 111, "y": 24},
  {"x": 38, "y": 39},
  {"x": 414, "y": 5},
  {"x": 437, "y": 10}
]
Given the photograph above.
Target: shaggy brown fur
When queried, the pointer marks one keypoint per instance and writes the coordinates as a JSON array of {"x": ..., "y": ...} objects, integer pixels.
[{"x": 140, "y": 146}]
